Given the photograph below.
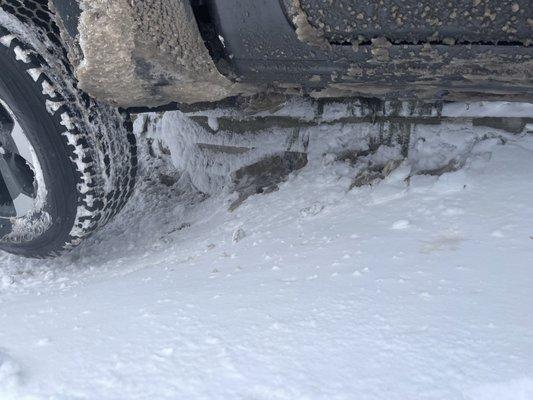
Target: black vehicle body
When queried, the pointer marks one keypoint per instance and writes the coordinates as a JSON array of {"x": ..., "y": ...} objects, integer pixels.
[{"x": 408, "y": 49}]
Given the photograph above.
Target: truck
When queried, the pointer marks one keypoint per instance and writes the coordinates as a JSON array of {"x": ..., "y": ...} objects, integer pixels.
[{"x": 74, "y": 72}]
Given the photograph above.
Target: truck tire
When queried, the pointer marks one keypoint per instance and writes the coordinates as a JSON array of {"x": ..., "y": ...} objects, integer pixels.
[{"x": 67, "y": 163}]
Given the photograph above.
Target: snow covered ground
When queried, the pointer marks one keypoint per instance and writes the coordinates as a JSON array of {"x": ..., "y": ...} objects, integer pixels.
[{"x": 418, "y": 286}]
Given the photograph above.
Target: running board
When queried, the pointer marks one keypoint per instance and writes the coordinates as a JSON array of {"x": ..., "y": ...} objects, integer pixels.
[{"x": 389, "y": 120}]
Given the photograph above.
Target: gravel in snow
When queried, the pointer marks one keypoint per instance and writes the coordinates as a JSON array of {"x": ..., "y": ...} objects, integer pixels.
[{"x": 417, "y": 286}]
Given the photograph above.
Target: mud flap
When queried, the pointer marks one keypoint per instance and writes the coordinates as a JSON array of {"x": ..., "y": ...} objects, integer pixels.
[{"x": 141, "y": 52}]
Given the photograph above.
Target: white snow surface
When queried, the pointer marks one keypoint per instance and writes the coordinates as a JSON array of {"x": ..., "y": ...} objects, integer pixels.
[{"x": 414, "y": 287}]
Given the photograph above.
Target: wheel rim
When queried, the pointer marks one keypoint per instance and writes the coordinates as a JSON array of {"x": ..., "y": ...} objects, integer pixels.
[{"x": 18, "y": 186}]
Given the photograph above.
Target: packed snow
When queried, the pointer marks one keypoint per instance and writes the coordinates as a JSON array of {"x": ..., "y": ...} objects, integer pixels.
[{"x": 414, "y": 285}]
